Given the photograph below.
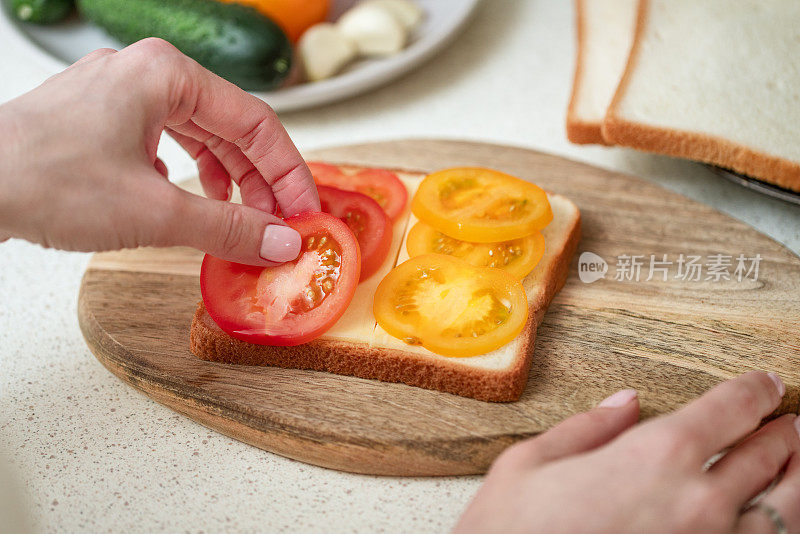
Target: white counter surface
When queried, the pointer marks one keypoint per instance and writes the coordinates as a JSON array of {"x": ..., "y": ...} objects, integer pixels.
[{"x": 91, "y": 453}]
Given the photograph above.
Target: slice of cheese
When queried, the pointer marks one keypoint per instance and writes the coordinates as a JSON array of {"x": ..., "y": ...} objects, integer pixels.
[{"x": 358, "y": 323}]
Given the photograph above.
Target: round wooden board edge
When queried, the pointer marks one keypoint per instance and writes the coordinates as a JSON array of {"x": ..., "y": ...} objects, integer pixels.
[{"x": 371, "y": 458}]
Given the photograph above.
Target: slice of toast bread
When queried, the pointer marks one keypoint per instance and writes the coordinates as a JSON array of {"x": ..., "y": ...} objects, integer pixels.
[
  {"x": 715, "y": 83},
  {"x": 605, "y": 30},
  {"x": 357, "y": 346}
]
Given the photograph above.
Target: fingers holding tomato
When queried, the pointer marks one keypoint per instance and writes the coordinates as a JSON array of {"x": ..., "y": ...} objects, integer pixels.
[{"x": 292, "y": 303}]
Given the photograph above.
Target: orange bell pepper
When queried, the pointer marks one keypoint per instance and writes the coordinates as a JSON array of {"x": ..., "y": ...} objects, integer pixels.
[{"x": 293, "y": 16}]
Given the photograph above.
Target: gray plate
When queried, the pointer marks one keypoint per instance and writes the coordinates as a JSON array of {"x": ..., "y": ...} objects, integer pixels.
[
  {"x": 58, "y": 45},
  {"x": 759, "y": 186}
]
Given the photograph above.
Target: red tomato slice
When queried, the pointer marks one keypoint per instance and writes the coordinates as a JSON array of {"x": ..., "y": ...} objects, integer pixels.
[
  {"x": 368, "y": 222},
  {"x": 381, "y": 185},
  {"x": 292, "y": 303},
  {"x": 324, "y": 173}
]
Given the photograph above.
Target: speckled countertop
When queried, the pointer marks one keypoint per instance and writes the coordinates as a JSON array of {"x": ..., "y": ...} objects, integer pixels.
[{"x": 88, "y": 452}]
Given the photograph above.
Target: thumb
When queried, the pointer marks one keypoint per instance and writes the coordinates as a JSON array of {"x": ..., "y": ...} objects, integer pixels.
[
  {"x": 232, "y": 232},
  {"x": 580, "y": 433}
]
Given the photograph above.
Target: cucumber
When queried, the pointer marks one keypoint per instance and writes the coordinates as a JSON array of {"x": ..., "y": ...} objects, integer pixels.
[
  {"x": 234, "y": 41},
  {"x": 41, "y": 11}
]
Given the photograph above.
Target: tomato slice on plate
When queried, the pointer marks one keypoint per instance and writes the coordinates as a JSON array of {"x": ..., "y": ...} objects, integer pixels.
[
  {"x": 481, "y": 205},
  {"x": 383, "y": 186},
  {"x": 517, "y": 256},
  {"x": 365, "y": 218},
  {"x": 449, "y": 306},
  {"x": 292, "y": 303}
]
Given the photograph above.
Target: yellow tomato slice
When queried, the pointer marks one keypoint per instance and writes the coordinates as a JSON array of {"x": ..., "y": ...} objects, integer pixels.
[
  {"x": 449, "y": 306},
  {"x": 517, "y": 256},
  {"x": 481, "y": 205}
]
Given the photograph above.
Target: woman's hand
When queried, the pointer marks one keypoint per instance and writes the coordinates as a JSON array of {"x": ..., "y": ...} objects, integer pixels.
[
  {"x": 78, "y": 165},
  {"x": 596, "y": 472}
]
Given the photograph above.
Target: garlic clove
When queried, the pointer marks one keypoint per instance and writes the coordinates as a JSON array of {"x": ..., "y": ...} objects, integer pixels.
[
  {"x": 324, "y": 51},
  {"x": 374, "y": 30},
  {"x": 409, "y": 13}
]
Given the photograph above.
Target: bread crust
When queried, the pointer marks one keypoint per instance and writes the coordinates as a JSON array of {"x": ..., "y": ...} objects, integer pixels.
[
  {"x": 209, "y": 342},
  {"x": 580, "y": 131},
  {"x": 686, "y": 144}
]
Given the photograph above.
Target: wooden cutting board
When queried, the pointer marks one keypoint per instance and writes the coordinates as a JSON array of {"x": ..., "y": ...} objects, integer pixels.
[{"x": 670, "y": 340}]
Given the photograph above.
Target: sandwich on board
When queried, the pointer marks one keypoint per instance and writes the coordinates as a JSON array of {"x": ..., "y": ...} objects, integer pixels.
[{"x": 459, "y": 316}]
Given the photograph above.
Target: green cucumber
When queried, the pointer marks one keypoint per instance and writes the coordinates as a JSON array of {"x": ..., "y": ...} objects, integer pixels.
[
  {"x": 236, "y": 42},
  {"x": 41, "y": 11}
]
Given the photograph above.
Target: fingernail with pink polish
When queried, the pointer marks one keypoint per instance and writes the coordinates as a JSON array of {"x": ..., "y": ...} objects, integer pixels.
[
  {"x": 618, "y": 399},
  {"x": 778, "y": 383},
  {"x": 280, "y": 243},
  {"x": 797, "y": 424}
]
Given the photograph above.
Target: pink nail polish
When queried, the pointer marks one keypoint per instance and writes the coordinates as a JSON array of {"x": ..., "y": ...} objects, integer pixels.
[
  {"x": 280, "y": 243},
  {"x": 796, "y": 424},
  {"x": 778, "y": 383},
  {"x": 618, "y": 399}
]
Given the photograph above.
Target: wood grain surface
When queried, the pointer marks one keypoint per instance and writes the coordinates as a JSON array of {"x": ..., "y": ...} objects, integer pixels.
[{"x": 670, "y": 340}]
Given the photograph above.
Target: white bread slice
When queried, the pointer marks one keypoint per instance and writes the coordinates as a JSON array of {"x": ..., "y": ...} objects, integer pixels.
[
  {"x": 715, "y": 81},
  {"x": 357, "y": 346},
  {"x": 605, "y": 30}
]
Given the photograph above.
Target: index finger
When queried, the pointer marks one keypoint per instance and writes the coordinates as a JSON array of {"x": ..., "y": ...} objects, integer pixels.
[
  {"x": 726, "y": 414},
  {"x": 227, "y": 111}
]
